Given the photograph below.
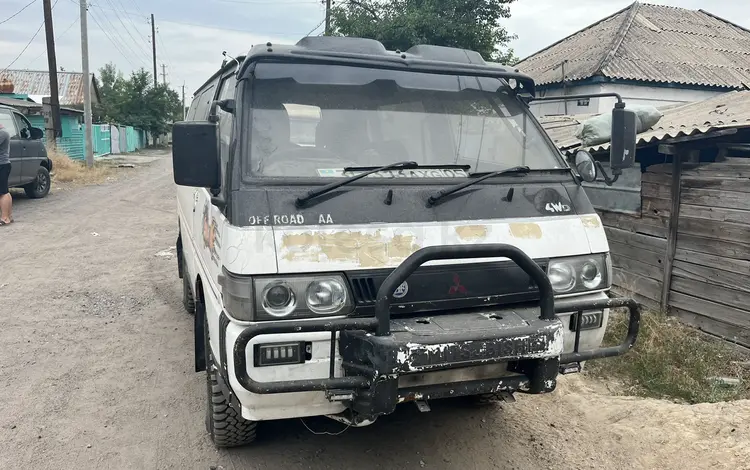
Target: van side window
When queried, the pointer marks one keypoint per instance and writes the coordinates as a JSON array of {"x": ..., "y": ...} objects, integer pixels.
[
  {"x": 204, "y": 103},
  {"x": 23, "y": 126},
  {"x": 193, "y": 107},
  {"x": 225, "y": 121},
  {"x": 6, "y": 119}
]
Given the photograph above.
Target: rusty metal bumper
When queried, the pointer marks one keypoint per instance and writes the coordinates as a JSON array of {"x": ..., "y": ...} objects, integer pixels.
[{"x": 376, "y": 351}]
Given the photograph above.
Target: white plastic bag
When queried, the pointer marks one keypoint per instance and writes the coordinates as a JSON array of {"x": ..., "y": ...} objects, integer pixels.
[{"x": 598, "y": 129}]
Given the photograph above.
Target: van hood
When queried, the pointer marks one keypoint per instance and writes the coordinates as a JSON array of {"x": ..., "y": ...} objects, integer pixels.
[{"x": 373, "y": 228}]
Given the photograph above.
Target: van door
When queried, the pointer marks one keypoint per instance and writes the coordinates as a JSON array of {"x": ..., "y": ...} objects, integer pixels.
[
  {"x": 17, "y": 147},
  {"x": 33, "y": 150}
]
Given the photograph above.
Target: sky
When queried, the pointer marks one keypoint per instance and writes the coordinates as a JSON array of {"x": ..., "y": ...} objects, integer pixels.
[{"x": 191, "y": 34}]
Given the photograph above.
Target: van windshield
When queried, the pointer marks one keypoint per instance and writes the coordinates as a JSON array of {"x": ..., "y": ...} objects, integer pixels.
[{"x": 316, "y": 120}]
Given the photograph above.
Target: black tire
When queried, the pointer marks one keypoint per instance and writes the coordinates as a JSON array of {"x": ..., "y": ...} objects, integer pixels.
[
  {"x": 40, "y": 187},
  {"x": 225, "y": 425},
  {"x": 188, "y": 299}
]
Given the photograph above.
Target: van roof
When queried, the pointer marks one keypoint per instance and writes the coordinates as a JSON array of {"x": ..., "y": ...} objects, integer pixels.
[{"x": 361, "y": 51}]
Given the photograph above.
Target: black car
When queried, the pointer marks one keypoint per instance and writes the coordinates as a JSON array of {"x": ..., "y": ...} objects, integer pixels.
[{"x": 30, "y": 165}]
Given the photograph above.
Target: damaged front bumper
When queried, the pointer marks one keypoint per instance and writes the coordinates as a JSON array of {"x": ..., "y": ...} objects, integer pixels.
[{"x": 379, "y": 352}]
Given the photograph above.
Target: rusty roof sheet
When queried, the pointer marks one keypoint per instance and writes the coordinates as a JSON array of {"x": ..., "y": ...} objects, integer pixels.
[
  {"x": 34, "y": 82},
  {"x": 725, "y": 111},
  {"x": 651, "y": 43}
]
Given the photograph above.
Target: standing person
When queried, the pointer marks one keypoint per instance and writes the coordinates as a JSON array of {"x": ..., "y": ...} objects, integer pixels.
[{"x": 6, "y": 201}]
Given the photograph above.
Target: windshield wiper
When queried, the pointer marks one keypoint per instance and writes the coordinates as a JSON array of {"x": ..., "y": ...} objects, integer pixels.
[
  {"x": 519, "y": 170},
  {"x": 302, "y": 200}
]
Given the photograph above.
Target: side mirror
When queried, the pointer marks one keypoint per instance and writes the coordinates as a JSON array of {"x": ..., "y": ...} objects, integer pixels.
[
  {"x": 624, "y": 132},
  {"x": 585, "y": 166},
  {"x": 36, "y": 133},
  {"x": 195, "y": 154}
]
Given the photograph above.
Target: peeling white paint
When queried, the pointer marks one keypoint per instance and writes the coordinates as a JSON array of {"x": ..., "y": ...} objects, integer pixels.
[{"x": 387, "y": 245}]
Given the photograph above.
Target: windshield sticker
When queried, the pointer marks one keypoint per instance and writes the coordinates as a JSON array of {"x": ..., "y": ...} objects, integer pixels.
[{"x": 391, "y": 174}]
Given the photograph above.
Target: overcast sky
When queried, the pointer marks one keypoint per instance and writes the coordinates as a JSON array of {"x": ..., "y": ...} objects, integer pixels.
[{"x": 191, "y": 34}]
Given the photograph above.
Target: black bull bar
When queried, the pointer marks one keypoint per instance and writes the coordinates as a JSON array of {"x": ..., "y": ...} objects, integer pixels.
[{"x": 363, "y": 377}]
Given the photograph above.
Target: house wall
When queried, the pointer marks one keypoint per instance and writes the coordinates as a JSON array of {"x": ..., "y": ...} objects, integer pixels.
[
  {"x": 557, "y": 108},
  {"x": 631, "y": 94},
  {"x": 71, "y": 141},
  {"x": 651, "y": 95}
]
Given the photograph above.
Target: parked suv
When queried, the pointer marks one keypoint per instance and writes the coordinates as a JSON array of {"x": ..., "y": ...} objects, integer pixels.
[{"x": 30, "y": 166}]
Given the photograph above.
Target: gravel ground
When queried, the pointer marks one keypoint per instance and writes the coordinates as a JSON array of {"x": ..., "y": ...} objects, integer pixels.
[{"x": 96, "y": 370}]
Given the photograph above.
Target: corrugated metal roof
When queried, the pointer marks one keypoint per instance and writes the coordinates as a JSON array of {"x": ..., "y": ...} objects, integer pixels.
[
  {"x": 728, "y": 110},
  {"x": 651, "y": 43},
  {"x": 33, "y": 82},
  {"x": 31, "y": 106}
]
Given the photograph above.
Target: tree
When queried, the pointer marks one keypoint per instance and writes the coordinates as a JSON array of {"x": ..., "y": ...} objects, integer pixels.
[
  {"x": 400, "y": 24},
  {"x": 134, "y": 101}
]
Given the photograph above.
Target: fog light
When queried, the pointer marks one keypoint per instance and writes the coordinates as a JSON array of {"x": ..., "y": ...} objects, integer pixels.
[
  {"x": 589, "y": 321},
  {"x": 279, "y": 354}
]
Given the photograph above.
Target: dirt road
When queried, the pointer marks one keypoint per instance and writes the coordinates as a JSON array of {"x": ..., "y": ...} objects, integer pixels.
[{"x": 96, "y": 371}]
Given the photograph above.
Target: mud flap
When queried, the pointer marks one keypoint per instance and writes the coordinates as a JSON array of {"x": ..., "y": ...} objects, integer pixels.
[{"x": 200, "y": 336}]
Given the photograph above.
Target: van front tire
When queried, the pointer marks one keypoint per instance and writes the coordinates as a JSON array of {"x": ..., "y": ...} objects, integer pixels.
[{"x": 225, "y": 425}]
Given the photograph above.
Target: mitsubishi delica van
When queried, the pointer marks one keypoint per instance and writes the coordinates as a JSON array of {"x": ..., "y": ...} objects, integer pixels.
[{"x": 361, "y": 228}]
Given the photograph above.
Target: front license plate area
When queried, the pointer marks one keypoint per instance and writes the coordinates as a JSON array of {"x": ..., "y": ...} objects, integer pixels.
[{"x": 415, "y": 357}]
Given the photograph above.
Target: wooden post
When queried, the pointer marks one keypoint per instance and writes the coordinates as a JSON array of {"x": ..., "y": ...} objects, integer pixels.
[{"x": 674, "y": 219}]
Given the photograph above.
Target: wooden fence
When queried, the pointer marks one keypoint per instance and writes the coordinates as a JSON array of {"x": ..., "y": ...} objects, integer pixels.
[{"x": 703, "y": 256}]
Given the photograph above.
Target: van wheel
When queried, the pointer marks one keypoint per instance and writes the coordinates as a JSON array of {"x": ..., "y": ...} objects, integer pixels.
[
  {"x": 225, "y": 425},
  {"x": 39, "y": 188},
  {"x": 188, "y": 299}
]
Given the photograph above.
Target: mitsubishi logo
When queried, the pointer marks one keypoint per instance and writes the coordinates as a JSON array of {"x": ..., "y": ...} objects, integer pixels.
[{"x": 457, "y": 288}]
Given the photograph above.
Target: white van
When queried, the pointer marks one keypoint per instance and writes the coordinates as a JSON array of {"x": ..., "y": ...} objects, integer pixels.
[{"x": 359, "y": 228}]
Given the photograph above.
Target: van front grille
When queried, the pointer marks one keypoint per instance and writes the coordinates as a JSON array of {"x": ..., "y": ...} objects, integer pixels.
[{"x": 365, "y": 292}]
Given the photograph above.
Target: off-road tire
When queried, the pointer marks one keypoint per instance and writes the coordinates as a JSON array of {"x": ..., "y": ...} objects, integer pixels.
[
  {"x": 40, "y": 187},
  {"x": 188, "y": 299},
  {"x": 225, "y": 425}
]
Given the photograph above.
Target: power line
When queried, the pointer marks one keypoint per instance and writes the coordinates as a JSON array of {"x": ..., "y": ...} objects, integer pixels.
[
  {"x": 18, "y": 12},
  {"x": 110, "y": 39},
  {"x": 165, "y": 53},
  {"x": 117, "y": 37},
  {"x": 127, "y": 30},
  {"x": 127, "y": 17},
  {"x": 28, "y": 43},
  {"x": 316, "y": 27},
  {"x": 57, "y": 36},
  {"x": 224, "y": 28},
  {"x": 24, "y": 49},
  {"x": 270, "y": 2}
]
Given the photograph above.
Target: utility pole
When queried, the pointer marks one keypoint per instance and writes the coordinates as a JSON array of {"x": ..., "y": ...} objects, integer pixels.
[
  {"x": 89, "y": 139},
  {"x": 163, "y": 74},
  {"x": 52, "y": 65},
  {"x": 328, "y": 17},
  {"x": 184, "y": 113},
  {"x": 153, "y": 45}
]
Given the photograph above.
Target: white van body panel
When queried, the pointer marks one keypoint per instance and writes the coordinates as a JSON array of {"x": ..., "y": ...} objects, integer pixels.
[
  {"x": 210, "y": 243},
  {"x": 330, "y": 248}
]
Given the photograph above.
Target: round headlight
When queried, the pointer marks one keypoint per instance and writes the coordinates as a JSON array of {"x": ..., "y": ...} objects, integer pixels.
[
  {"x": 326, "y": 296},
  {"x": 562, "y": 277},
  {"x": 279, "y": 300},
  {"x": 591, "y": 274}
]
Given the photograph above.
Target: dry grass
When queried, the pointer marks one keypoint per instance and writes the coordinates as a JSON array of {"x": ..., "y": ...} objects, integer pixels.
[
  {"x": 66, "y": 170},
  {"x": 673, "y": 361}
]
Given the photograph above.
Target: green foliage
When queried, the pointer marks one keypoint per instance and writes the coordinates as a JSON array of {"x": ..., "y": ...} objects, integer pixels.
[
  {"x": 400, "y": 24},
  {"x": 673, "y": 361},
  {"x": 134, "y": 101}
]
